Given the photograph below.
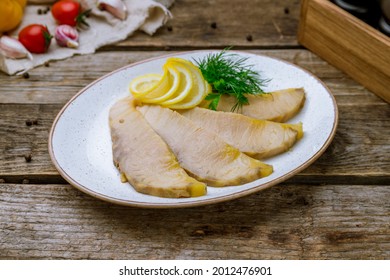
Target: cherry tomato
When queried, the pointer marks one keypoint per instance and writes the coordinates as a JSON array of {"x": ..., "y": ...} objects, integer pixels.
[
  {"x": 67, "y": 12},
  {"x": 35, "y": 37}
]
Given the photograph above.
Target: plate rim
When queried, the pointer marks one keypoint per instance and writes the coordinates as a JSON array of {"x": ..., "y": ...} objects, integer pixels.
[{"x": 207, "y": 201}]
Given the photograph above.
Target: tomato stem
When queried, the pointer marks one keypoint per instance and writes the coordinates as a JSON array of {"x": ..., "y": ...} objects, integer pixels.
[{"x": 47, "y": 36}]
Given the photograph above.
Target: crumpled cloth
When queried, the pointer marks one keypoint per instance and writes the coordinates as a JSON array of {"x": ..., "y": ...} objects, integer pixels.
[{"x": 105, "y": 29}]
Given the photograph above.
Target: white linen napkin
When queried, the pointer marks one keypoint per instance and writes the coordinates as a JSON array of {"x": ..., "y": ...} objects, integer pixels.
[{"x": 105, "y": 29}]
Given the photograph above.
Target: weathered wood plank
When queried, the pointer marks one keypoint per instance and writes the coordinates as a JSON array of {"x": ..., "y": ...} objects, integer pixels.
[
  {"x": 270, "y": 23},
  {"x": 57, "y": 83},
  {"x": 284, "y": 222},
  {"x": 24, "y": 134},
  {"x": 343, "y": 40},
  {"x": 359, "y": 151}
]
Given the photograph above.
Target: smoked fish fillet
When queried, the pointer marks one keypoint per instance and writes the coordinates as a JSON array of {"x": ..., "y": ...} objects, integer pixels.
[
  {"x": 257, "y": 138},
  {"x": 203, "y": 154},
  {"x": 144, "y": 159},
  {"x": 277, "y": 106}
]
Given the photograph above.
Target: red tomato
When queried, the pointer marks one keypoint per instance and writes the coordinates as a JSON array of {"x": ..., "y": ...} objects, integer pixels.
[
  {"x": 35, "y": 37},
  {"x": 66, "y": 12}
]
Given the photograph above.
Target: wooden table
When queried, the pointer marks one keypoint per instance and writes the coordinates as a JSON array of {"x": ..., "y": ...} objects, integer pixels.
[{"x": 338, "y": 208}]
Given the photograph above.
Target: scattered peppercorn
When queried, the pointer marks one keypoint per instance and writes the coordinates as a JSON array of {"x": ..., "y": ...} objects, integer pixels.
[
  {"x": 213, "y": 25},
  {"x": 39, "y": 11},
  {"x": 47, "y": 64},
  {"x": 33, "y": 122},
  {"x": 249, "y": 38},
  {"x": 28, "y": 158},
  {"x": 26, "y": 75},
  {"x": 286, "y": 11},
  {"x": 169, "y": 28}
]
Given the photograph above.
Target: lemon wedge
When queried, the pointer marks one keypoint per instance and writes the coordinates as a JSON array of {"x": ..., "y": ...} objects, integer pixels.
[{"x": 143, "y": 85}]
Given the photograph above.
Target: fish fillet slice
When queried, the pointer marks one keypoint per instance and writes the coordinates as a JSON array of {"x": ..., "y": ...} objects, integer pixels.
[
  {"x": 144, "y": 159},
  {"x": 278, "y": 106},
  {"x": 258, "y": 138},
  {"x": 201, "y": 153}
]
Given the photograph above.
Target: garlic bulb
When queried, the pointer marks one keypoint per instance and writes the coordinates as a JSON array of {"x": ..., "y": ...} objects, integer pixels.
[
  {"x": 66, "y": 36},
  {"x": 12, "y": 48},
  {"x": 116, "y": 7}
]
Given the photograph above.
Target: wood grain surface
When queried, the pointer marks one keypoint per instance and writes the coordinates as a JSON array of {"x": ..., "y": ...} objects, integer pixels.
[
  {"x": 63, "y": 79},
  {"x": 348, "y": 43},
  {"x": 285, "y": 222},
  {"x": 221, "y": 23},
  {"x": 338, "y": 208}
]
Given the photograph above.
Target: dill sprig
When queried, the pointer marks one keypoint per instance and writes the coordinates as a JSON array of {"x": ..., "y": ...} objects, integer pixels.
[{"x": 228, "y": 73}]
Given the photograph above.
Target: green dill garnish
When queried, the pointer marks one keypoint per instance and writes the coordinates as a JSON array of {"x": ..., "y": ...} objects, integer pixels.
[{"x": 228, "y": 73}]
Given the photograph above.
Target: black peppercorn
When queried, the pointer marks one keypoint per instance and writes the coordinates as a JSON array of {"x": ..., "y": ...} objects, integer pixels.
[{"x": 28, "y": 158}]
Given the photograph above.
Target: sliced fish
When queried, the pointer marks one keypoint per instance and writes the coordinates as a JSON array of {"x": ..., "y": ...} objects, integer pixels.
[
  {"x": 258, "y": 138},
  {"x": 278, "y": 106},
  {"x": 203, "y": 154},
  {"x": 144, "y": 159}
]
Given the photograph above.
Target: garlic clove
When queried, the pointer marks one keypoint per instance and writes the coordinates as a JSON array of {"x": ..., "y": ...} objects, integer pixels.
[
  {"x": 66, "y": 36},
  {"x": 116, "y": 7},
  {"x": 12, "y": 48}
]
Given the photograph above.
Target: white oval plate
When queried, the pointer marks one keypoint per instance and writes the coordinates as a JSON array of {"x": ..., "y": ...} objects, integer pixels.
[{"x": 80, "y": 143}]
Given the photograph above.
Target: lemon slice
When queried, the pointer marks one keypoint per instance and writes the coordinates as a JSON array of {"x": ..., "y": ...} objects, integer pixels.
[
  {"x": 181, "y": 86},
  {"x": 199, "y": 88},
  {"x": 167, "y": 88},
  {"x": 185, "y": 85},
  {"x": 144, "y": 84}
]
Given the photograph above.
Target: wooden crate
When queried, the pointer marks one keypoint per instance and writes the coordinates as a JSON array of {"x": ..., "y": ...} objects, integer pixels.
[{"x": 348, "y": 43}]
